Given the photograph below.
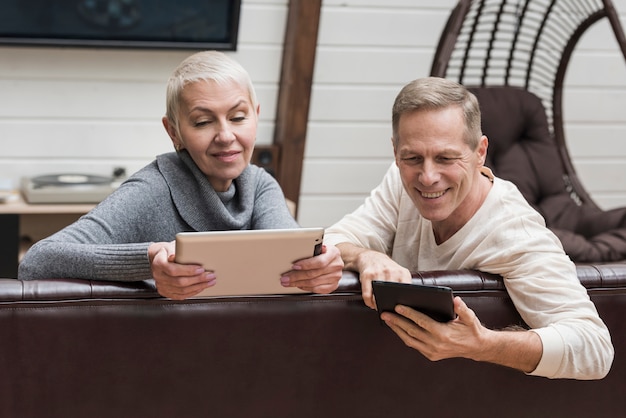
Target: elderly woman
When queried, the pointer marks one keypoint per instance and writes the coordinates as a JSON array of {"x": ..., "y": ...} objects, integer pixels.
[{"x": 207, "y": 184}]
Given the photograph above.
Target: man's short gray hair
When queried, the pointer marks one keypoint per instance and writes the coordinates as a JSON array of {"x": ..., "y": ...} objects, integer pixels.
[{"x": 433, "y": 93}]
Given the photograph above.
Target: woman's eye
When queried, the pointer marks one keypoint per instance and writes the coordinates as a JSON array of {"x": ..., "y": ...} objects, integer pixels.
[{"x": 238, "y": 119}]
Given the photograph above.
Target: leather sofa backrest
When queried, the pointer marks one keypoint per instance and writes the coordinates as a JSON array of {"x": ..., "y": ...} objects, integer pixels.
[{"x": 112, "y": 354}]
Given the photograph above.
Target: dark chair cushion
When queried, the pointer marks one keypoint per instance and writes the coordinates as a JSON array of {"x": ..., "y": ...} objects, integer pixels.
[{"x": 522, "y": 150}]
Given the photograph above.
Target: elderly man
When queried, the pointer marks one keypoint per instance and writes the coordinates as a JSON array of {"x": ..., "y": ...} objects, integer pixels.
[{"x": 439, "y": 208}]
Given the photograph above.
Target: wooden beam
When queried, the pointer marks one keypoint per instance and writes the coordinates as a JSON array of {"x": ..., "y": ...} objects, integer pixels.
[{"x": 294, "y": 95}]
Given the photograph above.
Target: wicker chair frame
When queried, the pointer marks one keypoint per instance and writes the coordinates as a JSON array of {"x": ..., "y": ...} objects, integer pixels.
[{"x": 527, "y": 44}]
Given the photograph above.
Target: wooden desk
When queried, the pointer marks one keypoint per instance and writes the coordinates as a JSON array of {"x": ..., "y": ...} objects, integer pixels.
[{"x": 22, "y": 224}]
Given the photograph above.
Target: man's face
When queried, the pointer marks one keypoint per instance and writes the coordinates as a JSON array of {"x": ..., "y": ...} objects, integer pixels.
[{"x": 439, "y": 170}]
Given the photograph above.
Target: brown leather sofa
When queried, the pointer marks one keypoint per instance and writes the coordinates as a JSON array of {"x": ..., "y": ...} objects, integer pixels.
[{"x": 73, "y": 348}]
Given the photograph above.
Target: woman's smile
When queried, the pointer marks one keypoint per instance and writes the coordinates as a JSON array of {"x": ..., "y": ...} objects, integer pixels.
[{"x": 227, "y": 156}]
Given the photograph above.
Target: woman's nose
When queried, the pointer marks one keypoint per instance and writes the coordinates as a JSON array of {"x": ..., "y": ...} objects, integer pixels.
[{"x": 225, "y": 134}]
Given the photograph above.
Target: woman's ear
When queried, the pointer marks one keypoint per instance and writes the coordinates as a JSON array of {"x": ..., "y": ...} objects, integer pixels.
[{"x": 173, "y": 133}]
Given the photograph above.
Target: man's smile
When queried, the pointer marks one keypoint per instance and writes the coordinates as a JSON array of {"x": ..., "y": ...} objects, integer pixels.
[{"x": 432, "y": 195}]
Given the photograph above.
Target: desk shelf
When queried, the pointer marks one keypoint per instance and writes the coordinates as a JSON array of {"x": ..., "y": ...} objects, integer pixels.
[{"x": 23, "y": 224}]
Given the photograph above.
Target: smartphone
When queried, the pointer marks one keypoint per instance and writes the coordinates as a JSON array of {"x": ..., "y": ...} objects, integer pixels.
[{"x": 435, "y": 301}]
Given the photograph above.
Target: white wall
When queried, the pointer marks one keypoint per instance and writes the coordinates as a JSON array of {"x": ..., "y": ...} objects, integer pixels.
[
  {"x": 89, "y": 110},
  {"x": 594, "y": 112},
  {"x": 368, "y": 49}
]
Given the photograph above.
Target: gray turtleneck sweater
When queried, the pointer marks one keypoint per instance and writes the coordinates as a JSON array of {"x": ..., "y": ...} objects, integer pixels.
[{"x": 168, "y": 196}]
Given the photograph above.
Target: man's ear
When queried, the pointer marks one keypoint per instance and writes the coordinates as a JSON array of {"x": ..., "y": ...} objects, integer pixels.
[
  {"x": 172, "y": 132},
  {"x": 483, "y": 144}
]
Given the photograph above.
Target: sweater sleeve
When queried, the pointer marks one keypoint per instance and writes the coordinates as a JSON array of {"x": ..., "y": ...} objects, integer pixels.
[{"x": 110, "y": 242}]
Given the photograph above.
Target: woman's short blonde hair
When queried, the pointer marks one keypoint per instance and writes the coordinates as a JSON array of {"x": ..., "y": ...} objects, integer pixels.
[{"x": 204, "y": 66}]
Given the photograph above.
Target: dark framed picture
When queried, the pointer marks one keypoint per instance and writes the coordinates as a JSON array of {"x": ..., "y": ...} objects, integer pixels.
[{"x": 158, "y": 24}]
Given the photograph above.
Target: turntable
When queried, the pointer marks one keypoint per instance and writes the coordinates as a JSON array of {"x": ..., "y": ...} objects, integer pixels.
[{"x": 68, "y": 188}]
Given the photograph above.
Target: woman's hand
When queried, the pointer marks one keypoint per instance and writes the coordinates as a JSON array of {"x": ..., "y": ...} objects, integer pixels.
[
  {"x": 173, "y": 280},
  {"x": 318, "y": 274}
]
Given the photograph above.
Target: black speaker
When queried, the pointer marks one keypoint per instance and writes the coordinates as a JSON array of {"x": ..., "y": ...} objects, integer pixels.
[{"x": 266, "y": 156}]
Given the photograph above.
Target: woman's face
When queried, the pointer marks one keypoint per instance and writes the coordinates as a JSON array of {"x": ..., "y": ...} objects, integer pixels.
[{"x": 217, "y": 126}]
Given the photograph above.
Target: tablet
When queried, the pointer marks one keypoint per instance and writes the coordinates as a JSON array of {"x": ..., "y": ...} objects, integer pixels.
[
  {"x": 435, "y": 301},
  {"x": 248, "y": 262}
]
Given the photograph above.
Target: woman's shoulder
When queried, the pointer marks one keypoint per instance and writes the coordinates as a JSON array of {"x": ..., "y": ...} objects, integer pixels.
[{"x": 149, "y": 176}]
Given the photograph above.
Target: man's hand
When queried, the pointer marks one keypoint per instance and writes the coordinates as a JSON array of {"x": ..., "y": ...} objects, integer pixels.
[
  {"x": 372, "y": 265},
  {"x": 318, "y": 274},
  {"x": 464, "y": 337},
  {"x": 173, "y": 280}
]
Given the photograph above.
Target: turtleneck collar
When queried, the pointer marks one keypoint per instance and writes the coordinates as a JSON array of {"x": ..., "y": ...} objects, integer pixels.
[{"x": 198, "y": 203}]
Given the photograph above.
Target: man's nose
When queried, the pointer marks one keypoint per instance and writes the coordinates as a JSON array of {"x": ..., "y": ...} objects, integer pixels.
[{"x": 429, "y": 174}]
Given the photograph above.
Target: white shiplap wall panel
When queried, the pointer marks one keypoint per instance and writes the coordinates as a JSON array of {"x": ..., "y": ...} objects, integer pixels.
[
  {"x": 334, "y": 206},
  {"x": 397, "y": 27},
  {"x": 94, "y": 109},
  {"x": 389, "y": 4},
  {"x": 604, "y": 176},
  {"x": 78, "y": 99},
  {"x": 112, "y": 140},
  {"x": 341, "y": 139},
  {"x": 348, "y": 65},
  {"x": 368, "y": 49},
  {"x": 595, "y": 140},
  {"x": 91, "y": 109},
  {"x": 261, "y": 61},
  {"x": 595, "y": 123},
  {"x": 351, "y": 103},
  {"x": 262, "y": 23},
  {"x": 599, "y": 105},
  {"x": 320, "y": 176}
]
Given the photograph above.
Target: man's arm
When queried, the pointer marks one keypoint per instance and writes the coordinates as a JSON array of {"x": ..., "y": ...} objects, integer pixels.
[{"x": 465, "y": 337}]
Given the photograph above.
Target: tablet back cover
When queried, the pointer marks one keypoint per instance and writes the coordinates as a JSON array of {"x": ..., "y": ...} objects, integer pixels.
[{"x": 248, "y": 262}]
